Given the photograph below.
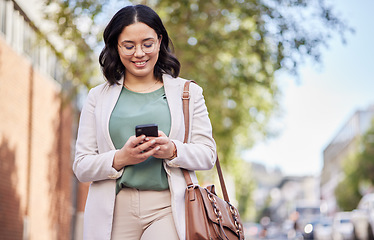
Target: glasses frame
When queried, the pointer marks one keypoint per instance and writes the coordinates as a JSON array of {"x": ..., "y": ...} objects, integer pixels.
[{"x": 141, "y": 47}]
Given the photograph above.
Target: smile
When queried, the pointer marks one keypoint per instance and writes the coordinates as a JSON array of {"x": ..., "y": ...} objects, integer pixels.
[{"x": 140, "y": 64}]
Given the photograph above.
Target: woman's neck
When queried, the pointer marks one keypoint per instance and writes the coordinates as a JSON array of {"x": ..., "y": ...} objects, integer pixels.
[{"x": 141, "y": 84}]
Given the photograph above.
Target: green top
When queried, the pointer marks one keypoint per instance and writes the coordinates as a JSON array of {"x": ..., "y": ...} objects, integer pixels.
[{"x": 133, "y": 109}]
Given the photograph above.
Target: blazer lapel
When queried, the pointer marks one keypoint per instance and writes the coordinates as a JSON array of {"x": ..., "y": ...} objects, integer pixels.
[
  {"x": 110, "y": 98},
  {"x": 173, "y": 94}
]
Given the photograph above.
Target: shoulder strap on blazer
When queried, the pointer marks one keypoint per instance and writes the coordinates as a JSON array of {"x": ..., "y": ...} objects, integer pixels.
[{"x": 186, "y": 101}]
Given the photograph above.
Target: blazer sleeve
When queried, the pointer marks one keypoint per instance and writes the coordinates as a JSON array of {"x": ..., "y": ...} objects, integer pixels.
[
  {"x": 200, "y": 151},
  {"x": 89, "y": 164}
]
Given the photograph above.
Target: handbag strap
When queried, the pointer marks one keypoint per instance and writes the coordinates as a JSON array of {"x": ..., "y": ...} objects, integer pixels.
[{"x": 186, "y": 101}]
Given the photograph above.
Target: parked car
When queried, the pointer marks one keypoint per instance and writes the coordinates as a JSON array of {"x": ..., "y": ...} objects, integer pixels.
[
  {"x": 323, "y": 230},
  {"x": 342, "y": 228},
  {"x": 363, "y": 218},
  {"x": 314, "y": 229}
]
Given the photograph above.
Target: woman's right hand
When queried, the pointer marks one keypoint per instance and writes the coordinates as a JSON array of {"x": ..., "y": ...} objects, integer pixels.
[{"x": 135, "y": 150}]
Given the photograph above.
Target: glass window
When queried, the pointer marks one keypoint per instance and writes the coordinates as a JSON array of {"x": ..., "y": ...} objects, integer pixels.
[{"x": 23, "y": 38}]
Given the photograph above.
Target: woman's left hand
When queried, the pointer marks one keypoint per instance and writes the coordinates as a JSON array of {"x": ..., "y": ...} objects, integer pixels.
[{"x": 167, "y": 146}]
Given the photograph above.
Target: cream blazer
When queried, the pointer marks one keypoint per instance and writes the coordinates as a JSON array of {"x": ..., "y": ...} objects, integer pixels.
[{"x": 95, "y": 152}]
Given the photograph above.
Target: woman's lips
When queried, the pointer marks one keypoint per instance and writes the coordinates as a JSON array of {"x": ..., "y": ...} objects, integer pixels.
[{"x": 140, "y": 63}]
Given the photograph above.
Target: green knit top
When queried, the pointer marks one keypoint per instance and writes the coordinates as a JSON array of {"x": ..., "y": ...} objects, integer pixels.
[{"x": 133, "y": 109}]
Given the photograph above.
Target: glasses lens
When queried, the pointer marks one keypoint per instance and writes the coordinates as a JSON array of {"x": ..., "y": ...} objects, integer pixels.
[
  {"x": 129, "y": 49},
  {"x": 148, "y": 46}
]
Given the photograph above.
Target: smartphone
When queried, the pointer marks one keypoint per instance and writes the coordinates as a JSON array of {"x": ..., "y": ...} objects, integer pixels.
[{"x": 150, "y": 130}]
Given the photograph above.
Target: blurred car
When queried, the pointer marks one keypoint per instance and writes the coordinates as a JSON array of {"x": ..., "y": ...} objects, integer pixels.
[
  {"x": 308, "y": 230},
  {"x": 323, "y": 230},
  {"x": 316, "y": 227},
  {"x": 363, "y": 218},
  {"x": 342, "y": 228},
  {"x": 306, "y": 213}
]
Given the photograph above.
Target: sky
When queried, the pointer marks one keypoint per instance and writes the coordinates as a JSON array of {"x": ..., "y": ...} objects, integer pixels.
[{"x": 324, "y": 98}]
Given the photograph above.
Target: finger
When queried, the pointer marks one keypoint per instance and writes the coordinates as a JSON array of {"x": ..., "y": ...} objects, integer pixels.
[
  {"x": 149, "y": 139},
  {"x": 151, "y": 152},
  {"x": 145, "y": 146},
  {"x": 135, "y": 141},
  {"x": 160, "y": 152},
  {"x": 162, "y": 140}
]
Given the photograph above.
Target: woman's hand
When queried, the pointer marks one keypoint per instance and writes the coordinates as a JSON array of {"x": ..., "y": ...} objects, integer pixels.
[
  {"x": 167, "y": 147},
  {"x": 135, "y": 150}
]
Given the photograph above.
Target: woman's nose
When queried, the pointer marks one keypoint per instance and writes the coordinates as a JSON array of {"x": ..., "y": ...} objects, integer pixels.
[{"x": 139, "y": 51}]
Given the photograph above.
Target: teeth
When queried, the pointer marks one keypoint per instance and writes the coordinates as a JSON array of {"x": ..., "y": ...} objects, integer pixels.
[{"x": 140, "y": 63}]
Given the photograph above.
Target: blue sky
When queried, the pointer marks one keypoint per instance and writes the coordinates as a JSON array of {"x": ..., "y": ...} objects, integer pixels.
[{"x": 317, "y": 107}]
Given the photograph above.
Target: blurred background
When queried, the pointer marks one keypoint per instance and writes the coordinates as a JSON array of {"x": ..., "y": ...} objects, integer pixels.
[{"x": 289, "y": 89}]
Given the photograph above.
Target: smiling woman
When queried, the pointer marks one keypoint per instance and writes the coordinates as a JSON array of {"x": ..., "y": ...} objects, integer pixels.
[{"x": 137, "y": 189}]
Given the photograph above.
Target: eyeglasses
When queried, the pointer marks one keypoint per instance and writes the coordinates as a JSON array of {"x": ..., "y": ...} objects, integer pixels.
[{"x": 130, "y": 48}]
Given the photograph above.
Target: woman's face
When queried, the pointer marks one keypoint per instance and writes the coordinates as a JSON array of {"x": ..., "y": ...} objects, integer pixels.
[{"x": 138, "y": 49}]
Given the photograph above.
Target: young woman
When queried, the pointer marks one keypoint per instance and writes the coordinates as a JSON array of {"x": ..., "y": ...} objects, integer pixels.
[{"x": 137, "y": 189}]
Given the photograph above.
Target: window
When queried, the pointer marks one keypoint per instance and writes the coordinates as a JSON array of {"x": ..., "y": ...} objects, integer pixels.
[{"x": 24, "y": 38}]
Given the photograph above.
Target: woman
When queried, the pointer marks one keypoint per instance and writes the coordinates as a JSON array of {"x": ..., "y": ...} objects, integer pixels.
[{"x": 137, "y": 189}]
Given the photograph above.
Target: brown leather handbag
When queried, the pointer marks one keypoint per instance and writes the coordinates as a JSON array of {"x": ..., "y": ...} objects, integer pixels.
[{"x": 207, "y": 215}]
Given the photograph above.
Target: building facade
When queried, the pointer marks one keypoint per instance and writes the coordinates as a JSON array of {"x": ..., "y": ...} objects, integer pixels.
[{"x": 38, "y": 190}]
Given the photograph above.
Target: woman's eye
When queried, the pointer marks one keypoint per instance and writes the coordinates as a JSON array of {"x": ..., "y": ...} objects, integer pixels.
[
  {"x": 128, "y": 47},
  {"x": 148, "y": 44}
]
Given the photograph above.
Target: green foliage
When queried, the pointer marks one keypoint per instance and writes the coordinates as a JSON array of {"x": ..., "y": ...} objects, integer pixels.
[
  {"x": 347, "y": 192},
  {"x": 73, "y": 21},
  {"x": 232, "y": 48},
  {"x": 245, "y": 185},
  {"x": 359, "y": 173},
  {"x": 347, "y": 196},
  {"x": 366, "y": 157}
]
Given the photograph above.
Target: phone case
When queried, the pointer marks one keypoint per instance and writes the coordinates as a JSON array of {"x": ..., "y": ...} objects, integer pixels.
[{"x": 150, "y": 130}]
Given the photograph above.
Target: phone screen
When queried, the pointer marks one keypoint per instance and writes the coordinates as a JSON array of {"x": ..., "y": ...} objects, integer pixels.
[{"x": 150, "y": 130}]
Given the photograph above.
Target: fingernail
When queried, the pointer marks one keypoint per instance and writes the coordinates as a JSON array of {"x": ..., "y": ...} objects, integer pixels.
[
  {"x": 158, "y": 148},
  {"x": 153, "y": 141},
  {"x": 147, "y": 139}
]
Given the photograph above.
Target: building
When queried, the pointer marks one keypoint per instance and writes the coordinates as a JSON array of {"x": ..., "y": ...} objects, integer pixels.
[
  {"x": 38, "y": 190},
  {"x": 341, "y": 146},
  {"x": 280, "y": 195}
]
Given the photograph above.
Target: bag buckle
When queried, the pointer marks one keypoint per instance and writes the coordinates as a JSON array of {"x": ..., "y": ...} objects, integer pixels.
[{"x": 186, "y": 95}]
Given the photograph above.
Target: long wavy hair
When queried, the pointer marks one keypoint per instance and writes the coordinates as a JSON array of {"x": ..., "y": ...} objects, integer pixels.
[{"x": 109, "y": 59}]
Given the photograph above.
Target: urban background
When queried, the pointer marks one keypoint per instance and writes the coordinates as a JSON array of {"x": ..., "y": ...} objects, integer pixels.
[{"x": 48, "y": 61}]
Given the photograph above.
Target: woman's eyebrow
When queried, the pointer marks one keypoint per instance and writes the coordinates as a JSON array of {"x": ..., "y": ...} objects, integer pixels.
[{"x": 146, "y": 39}]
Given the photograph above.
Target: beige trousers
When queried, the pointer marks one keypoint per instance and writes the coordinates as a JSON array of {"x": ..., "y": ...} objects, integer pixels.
[{"x": 143, "y": 215}]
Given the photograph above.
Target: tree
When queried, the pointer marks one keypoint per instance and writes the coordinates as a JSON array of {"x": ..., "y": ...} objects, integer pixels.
[
  {"x": 232, "y": 48},
  {"x": 358, "y": 171},
  {"x": 347, "y": 192}
]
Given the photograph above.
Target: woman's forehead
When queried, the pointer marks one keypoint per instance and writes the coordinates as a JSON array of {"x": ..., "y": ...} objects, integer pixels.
[{"x": 137, "y": 32}]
